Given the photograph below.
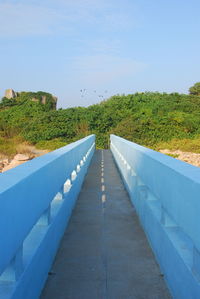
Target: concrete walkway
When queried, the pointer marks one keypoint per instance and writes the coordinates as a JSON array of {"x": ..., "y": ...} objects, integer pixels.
[{"x": 104, "y": 253}]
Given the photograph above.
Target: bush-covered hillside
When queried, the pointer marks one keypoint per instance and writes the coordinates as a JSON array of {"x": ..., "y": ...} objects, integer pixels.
[{"x": 150, "y": 119}]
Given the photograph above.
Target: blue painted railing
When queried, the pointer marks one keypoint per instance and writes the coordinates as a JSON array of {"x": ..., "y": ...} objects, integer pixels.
[
  {"x": 166, "y": 195},
  {"x": 36, "y": 200}
]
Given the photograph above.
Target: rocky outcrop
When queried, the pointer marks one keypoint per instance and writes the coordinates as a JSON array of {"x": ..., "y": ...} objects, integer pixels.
[
  {"x": 10, "y": 93},
  {"x": 44, "y": 101},
  {"x": 3, "y": 163},
  {"x": 17, "y": 160},
  {"x": 191, "y": 158},
  {"x": 35, "y": 100},
  {"x": 55, "y": 101},
  {"x": 31, "y": 153}
]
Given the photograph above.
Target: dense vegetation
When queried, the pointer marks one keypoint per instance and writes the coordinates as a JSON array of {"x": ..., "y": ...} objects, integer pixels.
[
  {"x": 195, "y": 89},
  {"x": 151, "y": 119}
]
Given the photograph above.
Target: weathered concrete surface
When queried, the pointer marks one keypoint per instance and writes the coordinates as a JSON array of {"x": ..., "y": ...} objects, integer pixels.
[{"x": 104, "y": 253}]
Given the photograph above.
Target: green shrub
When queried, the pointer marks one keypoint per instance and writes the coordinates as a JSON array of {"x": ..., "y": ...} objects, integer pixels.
[
  {"x": 150, "y": 119},
  {"x": 50, "y": 144}
]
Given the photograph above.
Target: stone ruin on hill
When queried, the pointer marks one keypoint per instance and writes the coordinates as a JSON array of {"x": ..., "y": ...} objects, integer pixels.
[{"x": 10, "y": 94}]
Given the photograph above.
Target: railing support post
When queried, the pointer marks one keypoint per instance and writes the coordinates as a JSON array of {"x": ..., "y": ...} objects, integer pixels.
[
  {"x": 14, "y": 270},
  {"x": 46, "y": 217},
  {"x": 196, "y": 262}
]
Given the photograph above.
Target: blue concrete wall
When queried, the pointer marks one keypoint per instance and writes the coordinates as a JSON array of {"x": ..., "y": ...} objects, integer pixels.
[
  {"x": 36, "y": 200},
  {"x": 166, "y": 195}
]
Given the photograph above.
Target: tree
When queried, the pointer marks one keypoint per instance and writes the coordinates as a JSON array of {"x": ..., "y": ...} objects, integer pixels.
[{"x": 195, "y": 89}]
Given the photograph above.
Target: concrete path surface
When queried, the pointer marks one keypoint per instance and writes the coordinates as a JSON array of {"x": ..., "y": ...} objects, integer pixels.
[{"x": 104, "y": 253}]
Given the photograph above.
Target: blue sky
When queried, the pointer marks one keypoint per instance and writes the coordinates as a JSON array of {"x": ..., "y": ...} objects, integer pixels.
[{"x": 111, "y": 47}]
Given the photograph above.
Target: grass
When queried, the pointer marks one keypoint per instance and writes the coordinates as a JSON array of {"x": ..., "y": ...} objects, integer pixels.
[
  {"x": 173, "y": 155},
  {"x": 9, "y": 147},
  {"x": 185, "y": 145},
  {"x": 50, "y": 144}
]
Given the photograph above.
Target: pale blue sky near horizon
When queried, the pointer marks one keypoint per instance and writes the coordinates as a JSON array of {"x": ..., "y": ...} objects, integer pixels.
[{"x": 105, "y": 47}]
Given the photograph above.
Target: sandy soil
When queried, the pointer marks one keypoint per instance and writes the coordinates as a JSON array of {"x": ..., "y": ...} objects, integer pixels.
[{"x": 191, "y": 158}]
